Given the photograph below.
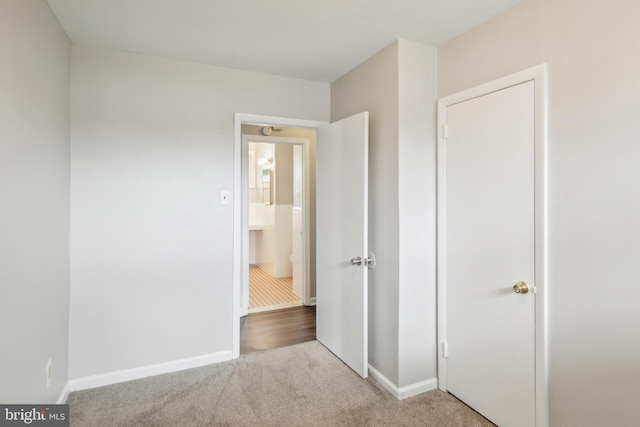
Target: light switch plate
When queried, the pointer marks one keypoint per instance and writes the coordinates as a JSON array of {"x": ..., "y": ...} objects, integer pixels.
[{"x": 224, "y": 197}]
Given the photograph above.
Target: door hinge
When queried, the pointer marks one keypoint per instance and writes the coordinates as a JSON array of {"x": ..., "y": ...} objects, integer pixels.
[
  {"x": 445, "y": 131},
  {"x": 445, "y": 350}
]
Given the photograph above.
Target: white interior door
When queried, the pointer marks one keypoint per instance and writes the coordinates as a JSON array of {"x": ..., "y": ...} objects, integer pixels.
[
  {"x": 490, "y": 248},
  {"x": 341, "y": 240}
]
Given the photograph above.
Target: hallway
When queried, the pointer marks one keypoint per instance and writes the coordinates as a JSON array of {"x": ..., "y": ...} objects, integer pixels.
[{"x": 279, "y": 328}]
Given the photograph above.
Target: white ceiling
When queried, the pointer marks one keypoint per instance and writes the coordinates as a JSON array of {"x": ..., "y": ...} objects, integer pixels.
[{"x": 310, "y": 39}]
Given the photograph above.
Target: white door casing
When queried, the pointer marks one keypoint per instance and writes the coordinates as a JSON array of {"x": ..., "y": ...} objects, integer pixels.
[
  {"x": 240, "y": 219},
  {"x": 491, "y": 235},
  {"x": 341, "y": 236},
  {"x": 297, "y": 228}
]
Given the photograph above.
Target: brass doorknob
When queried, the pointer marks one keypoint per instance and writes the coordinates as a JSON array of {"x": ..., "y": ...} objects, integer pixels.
[{"x": 521, "y": 288}]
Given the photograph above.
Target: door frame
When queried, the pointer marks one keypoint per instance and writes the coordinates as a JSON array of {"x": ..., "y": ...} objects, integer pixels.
[
  {"x": 538, "y": 74},
  {"x": 238, "y": 211},
  {"x": 305, "y": 143}
]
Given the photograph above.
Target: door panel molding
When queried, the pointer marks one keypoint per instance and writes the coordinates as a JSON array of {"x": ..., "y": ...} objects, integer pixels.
[{"x": 538, "y": 75}]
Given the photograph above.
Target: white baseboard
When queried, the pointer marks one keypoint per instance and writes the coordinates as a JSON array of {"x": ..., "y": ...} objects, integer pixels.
[
  {"x": 418, "y": 388},
  {"x": 312, "y": 301},
  {"x": 401, "y": 393},
  {"x": 147, "y": 371},
  {"x": 63, "y": 395}
]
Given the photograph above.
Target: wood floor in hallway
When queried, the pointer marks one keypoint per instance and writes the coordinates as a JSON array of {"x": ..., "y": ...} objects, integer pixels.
[{"x": 278, "y": 328}]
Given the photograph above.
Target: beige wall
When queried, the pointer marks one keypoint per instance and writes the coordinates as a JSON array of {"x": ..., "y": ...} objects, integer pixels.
[
  {"x": 416, "y": 212},
  {"x": 373, "y": 86},
  {"x": 397, "y": 87},
  {"x": 34, "y": 202},
  {"x": 593, "y": 52},
  {"x": 284, "y": 175}
]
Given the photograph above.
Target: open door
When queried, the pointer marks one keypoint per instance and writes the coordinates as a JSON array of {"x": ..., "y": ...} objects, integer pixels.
[{"x": 342, "y": 240}]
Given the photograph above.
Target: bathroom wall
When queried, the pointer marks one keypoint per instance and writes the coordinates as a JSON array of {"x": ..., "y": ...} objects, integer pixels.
[
  {"x": 270, "y": 227},
  {"x": 284, "y": 174},
  {"x": 283, "y": 197}
]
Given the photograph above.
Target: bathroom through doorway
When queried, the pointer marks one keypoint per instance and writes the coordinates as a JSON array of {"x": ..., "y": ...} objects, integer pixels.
[
  {"x": 275, "y": 226},
  {"x": 276, "y": 198}
]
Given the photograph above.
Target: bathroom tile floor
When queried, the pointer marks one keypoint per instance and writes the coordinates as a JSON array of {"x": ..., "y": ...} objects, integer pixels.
[{"x": 269, "y": 293}]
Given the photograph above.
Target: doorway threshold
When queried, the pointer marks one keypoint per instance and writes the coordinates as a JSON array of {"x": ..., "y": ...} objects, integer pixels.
[{"x": 275, "y": 307}]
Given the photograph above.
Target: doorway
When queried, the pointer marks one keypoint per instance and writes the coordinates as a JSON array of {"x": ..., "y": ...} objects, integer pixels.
[
  {"x": 492, "y": 248},
  {"x": 285, "y": 132},
  {"x": 347, "y": 139},
  {"x": 275, "y": 264}
]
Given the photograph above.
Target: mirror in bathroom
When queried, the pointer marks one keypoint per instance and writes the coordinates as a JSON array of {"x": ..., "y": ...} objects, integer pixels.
[{"x": 267, "y": 188}]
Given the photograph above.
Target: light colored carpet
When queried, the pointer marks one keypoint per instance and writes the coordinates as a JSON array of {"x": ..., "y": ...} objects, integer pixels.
[{"x": 301, "y": 385}]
